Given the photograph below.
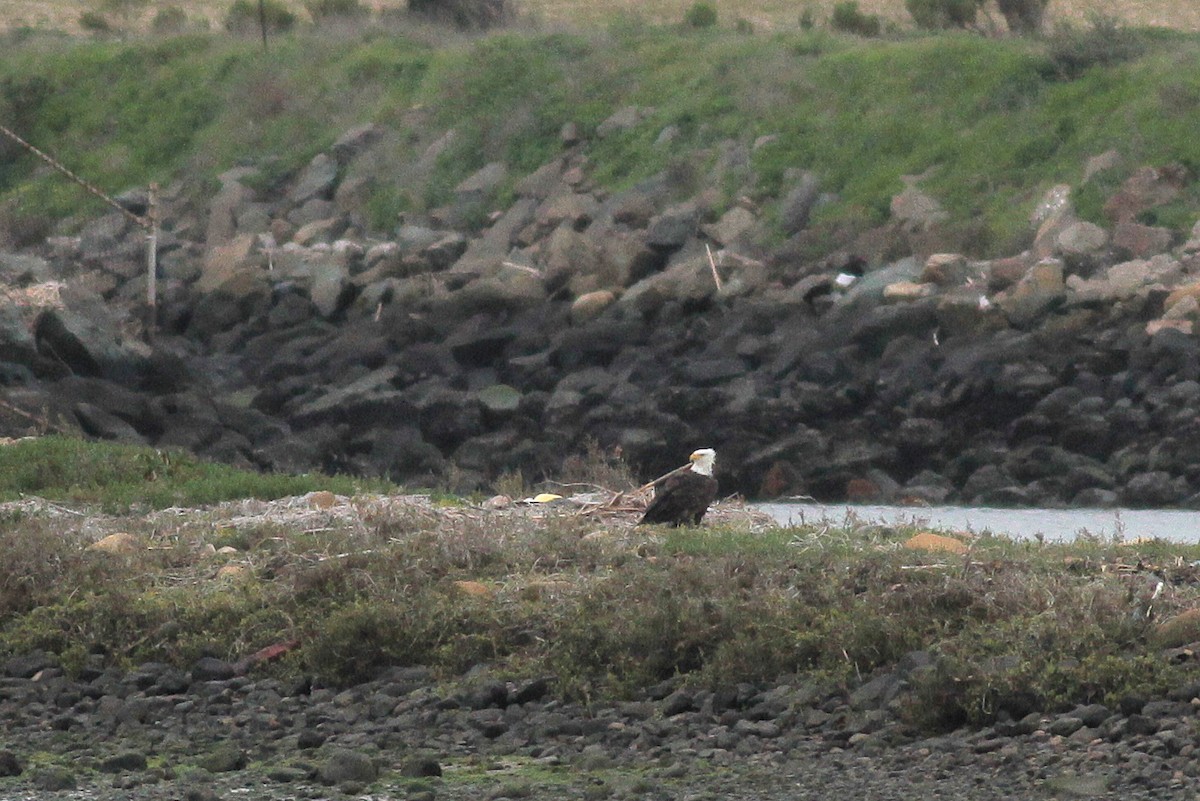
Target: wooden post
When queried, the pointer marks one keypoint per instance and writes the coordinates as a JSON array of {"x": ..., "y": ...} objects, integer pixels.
[{"x": 152, "y": 264}]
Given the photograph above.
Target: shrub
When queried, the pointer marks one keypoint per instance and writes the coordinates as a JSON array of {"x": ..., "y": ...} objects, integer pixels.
[
  {"x": 464, "y": 14},
  {"x": 808, "y": 18},
  {"x": 242, "y": 16},
  {"x": 1103, "y": 43},
  {"x": 21, "y": 228},
  {"x": 94, "y": 22},
  {"x": 743, "y": 25},
  {"x": 701, "y": 15},
  {"x": 940, "y": 14},
  {"x": 335, "y": 9},
  {"x": 21, "y": 98},
  {"x": 848, "y": 18},
  {"x": 171, "y": 19},
  {"x": 1023, "y": 16}
]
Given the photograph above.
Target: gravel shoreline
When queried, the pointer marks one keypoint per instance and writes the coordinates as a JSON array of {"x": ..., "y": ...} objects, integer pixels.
[{"x": 160, "y": 733}]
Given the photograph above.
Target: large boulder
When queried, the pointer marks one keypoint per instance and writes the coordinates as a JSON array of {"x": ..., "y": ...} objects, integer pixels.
[
  {"x": 236, "y": 300},
  {"x": 316, "y": 182},
  {"x": 224, "y": 261},
  {"x": 1137, "y": 241},
  {"x": 1040, "y": 290},
  {"x": 671, "y": 229},
  {"x": 1147, "y": 188},
  {"x": 688, "y": 281},
  {"x": 224, "y": 207},
  {"x": 16, "y": 340},
  {"x": 85, "y": 337},
  {"x": 355, "y": 141},
  {"x": 915, "y": 210},
  {"x": 1127, "y": 279},
  {"x": 575, "y": 261}
]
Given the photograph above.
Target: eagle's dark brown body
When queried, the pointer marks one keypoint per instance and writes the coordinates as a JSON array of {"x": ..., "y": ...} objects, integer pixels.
[{"x": 683, "y": 496}]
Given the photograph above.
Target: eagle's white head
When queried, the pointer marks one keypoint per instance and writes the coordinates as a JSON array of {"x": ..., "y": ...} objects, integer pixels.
[{"x": 703, "y": 460}]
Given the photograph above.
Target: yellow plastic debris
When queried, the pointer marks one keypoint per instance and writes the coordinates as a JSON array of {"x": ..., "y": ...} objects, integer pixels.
[
  {"x": 115, "y": 543},
  {"x": 928, "y": 541}
]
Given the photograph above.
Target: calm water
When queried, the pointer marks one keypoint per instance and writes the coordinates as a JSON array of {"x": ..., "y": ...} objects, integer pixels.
[{"x": 1053, "y": 524}]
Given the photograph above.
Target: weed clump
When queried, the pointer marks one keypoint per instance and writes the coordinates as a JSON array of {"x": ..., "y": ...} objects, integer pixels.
[
  {"x": 462, "y": 14},
  {"x": 1023, "y": 16},
  {"x": 329, "y": 10},
  {"x": 1104, "y": 42},
  {"x": 848, "y": 18},
  {"x": 700, "y": 15},
  {"x": 170, "y": 19},
  {"x": 243, "y": 17},
  {"x": 940, "y": 14},
  {"x": 94, "y": 22}
]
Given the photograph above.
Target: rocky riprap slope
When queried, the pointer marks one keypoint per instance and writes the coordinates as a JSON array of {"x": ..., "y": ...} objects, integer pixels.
[
  {"x": 212, "y": 732},
  {"x": 449, "y": 352}
]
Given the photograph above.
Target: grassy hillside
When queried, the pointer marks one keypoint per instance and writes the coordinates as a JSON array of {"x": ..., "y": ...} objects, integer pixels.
[
  {"x": 763, "y": 14},
  {"x": 995, "y": 122}
]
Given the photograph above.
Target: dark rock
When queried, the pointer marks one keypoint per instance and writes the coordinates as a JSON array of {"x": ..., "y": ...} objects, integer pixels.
[
  {"x": 171, "y": 682},
  {"x": 875, "y": 692},
  {"x": 531, "y": 691},
  {"x": 208, "y": 668},
  {"x": 28, "y": 666},
  {"x": 1141, "y": 724},
  {"x": 285, "y": 774},
  {"x": 225, "y": 758},
  {"x": 53, "y": 778},
  {"x": 147, "y": 674},
  {"x": 420, "y": 767},
  {"x": 125, "y": 761},
  {"x": 1154, "y": 489},
  {"x": 479, "y": 341},
  {"x": 1018, "y": 728},
  {"x": 200, "y": 794},
  {"x": 354, "y": 141},
  {"x": 9, "y": 764},
  {"x": 673, "y": 227},
  {"x": 1092, "y": 715},
  {"x": 490, "y": 694},
  {"x": 489, "y": 722},
  {"x": 1161, "y": 709},
  {"x": 798, "y": 203},
  {"x": 98, "y": 423},
  {"x": 918, "y": 435},
  {"x": 317, "y": 180},
  {"x": 678, "y": 702},
  {"x": 1065, "y": 725},
  {"x": 310, "y": 739}
]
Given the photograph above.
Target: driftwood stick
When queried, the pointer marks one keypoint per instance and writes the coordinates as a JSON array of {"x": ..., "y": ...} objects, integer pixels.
[
  {"x": 713, "y": 264},
  {"x": 664, "y": 477}
]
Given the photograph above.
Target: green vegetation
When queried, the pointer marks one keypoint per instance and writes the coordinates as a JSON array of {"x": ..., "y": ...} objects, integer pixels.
[
  {"x": 243, "y": 17},
  {"x": 849, "y": 19},
  {"x": 326, "y": 10},
  {"x": 120, "y": 476},
  {"x": 938, "y": 14},
  {"x": 701, "y": 15},
  {"x": 992, "y": 123},
  {"x": 605, "y": 608}
]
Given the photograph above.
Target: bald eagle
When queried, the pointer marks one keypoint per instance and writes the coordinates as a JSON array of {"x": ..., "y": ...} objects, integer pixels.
[{"x": 682, "y": 496}]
